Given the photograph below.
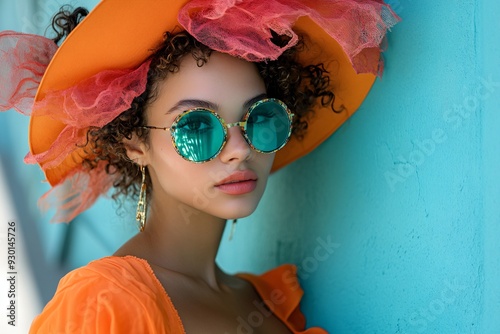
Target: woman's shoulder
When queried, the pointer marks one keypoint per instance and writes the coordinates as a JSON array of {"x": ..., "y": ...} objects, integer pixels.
[
  {"x": 112, "y": 276},
  {"x": 113, "y": 270},
  {"x": 106, "y": 296},
  {"x": 280, "y": 290}
]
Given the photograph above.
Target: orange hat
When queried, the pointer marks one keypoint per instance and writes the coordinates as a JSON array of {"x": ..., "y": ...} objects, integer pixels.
[{"x": 118, "y": 36}]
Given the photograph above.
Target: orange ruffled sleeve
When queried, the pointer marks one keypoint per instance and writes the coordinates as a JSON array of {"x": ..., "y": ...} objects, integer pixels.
[
  {"x": 116, "y": 295},
  {"x": 280, "y": 290},
  {"x": 108, "y": 296}
]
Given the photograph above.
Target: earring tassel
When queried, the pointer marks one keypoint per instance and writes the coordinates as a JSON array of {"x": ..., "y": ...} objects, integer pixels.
[
  {"x": 141, "y": 205},
  {"x": 233, "y": 228}
]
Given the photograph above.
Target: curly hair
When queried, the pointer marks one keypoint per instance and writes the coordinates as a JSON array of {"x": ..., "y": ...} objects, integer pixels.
[{"x": 299, "y": 86}]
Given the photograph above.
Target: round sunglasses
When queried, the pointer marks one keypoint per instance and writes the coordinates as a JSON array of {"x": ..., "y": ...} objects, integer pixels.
[{"x": 199, "y": 134}]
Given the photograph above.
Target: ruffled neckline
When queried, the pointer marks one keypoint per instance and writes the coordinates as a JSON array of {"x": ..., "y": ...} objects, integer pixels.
[{"x": 278, "y": 288}]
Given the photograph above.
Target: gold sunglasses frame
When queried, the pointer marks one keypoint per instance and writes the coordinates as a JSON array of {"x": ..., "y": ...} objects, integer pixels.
[{"x": 225, "y": 127}]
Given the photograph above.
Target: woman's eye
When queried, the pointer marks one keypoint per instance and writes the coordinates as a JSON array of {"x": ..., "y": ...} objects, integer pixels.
[
  {"x": 195, "y": 123},
  {"x": 262, "y": 117}
]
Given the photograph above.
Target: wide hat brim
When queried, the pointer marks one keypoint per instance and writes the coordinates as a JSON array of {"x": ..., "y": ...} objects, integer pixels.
[{"x": 121, "y": 34}]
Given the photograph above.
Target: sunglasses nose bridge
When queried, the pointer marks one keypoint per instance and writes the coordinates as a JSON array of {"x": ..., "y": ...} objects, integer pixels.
[
  {"x": 236, "y": 145},
  {"x": 241, "y": 124}
]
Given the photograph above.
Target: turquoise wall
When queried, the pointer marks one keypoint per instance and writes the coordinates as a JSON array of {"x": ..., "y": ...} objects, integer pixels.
[
  {"x": 393, "y": 222},
  {"x": 405, "y": 195}
]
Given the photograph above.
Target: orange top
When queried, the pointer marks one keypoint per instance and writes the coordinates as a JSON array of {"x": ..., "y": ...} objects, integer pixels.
[{"x": 122, "y": 295}]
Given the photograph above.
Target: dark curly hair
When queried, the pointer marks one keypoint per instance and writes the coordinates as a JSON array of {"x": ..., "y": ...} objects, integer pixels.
[{"x": 299, "y": 86}]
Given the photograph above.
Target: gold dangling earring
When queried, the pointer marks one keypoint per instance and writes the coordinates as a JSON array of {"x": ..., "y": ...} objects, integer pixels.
[
  {"x": 233, "y": 227},
  {"x": 142, "y": 204}
]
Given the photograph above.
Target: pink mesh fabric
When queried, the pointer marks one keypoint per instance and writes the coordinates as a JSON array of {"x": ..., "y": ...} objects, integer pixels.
[
  {"x": 243, "y": 28},
  {"x": 77, "y": 193},
  {"x": 93, "y": 102},
  {"x": 23, "y": 61}
]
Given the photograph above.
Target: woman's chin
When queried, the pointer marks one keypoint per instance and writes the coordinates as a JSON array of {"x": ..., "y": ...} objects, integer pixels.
[{"x": 238, "y": 212}]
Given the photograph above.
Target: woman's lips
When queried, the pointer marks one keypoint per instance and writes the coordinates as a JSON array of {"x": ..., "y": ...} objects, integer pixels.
[
  {"x": 238, "y": 188},
  {"x": 238, "y": 183}
]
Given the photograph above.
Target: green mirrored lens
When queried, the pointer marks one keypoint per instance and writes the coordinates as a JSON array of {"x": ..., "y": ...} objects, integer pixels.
[
  {"x": 268, "y": 126},
  {"x": 198, "y": 135}
]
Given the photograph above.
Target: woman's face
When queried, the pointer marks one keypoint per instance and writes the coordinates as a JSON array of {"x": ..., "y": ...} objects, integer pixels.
[{"x": 230, "y": 85}]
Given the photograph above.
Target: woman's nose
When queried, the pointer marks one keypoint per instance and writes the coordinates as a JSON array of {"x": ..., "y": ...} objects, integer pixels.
[{"x": 236, "y": 148}]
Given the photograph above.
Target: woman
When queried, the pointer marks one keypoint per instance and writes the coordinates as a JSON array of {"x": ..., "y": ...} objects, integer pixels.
[{"x": 191, "y": 122}]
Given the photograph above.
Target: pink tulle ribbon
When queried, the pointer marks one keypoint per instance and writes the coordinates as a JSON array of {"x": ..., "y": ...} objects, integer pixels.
[
  {"x": 93, "y": 102},
  {"x": 23, "y": 61},
  {"x": 243, "y": 28},
  {"x": 77, "y": 193}
]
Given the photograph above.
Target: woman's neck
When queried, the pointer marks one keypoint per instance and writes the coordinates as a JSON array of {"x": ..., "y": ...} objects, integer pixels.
[{"x": 180, "y": 239}]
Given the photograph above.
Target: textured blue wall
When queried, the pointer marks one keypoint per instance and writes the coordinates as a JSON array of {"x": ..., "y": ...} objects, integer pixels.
[
  {"x": 394, "y": 221},
  {"x": 405, "y": 196}
]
